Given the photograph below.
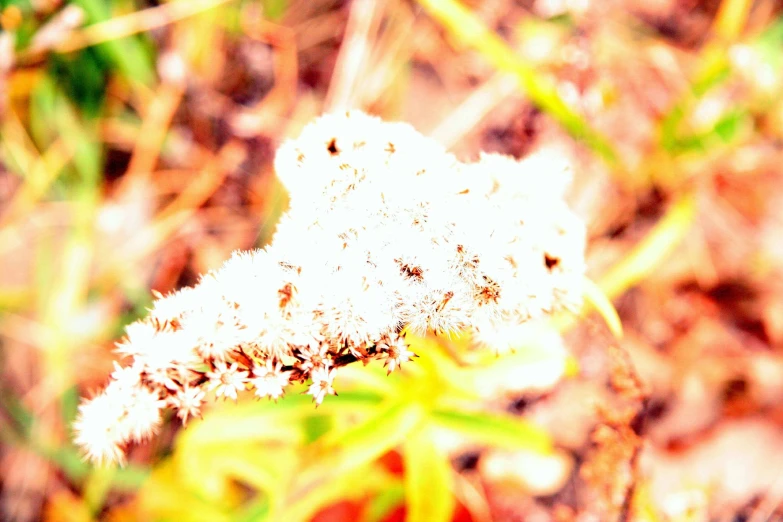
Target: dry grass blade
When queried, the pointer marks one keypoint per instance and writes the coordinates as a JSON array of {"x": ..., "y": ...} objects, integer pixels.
[
  {"x": 465, "y": 26},
  {"x": 152, "y": 133},
  {"x": 265, "y": 115},
  {"x": 363, "y": 21},
  {"x": 174, "y": 215},
  {"x": 474, "y": 108},
  {"x": 130, "y": 24}
]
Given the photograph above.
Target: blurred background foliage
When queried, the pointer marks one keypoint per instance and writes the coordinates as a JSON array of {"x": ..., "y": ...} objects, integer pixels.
[{"x": 136, "y": 141}]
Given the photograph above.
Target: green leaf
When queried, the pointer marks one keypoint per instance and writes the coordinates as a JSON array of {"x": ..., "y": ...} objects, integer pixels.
[
  {"x": 341, "y": 454},
  {"x": 357, "y": 484},
  {"x": 213, "y": 472},
  {"x": 275, "y": 9},
  {"x": 500, "y": 430},
  {"x": 264, "y": 469},
  {"x": 128, "y": 55},
  {"x": 383, "y": 503},
  {"x": 428, "y": 480},
  {"x": 206, "y": 452},
  {"x": 166, "y": 497},
  {"x": 83, "y": 76},
  {"x": 343, "y": 450},
  {"x": 769, "y": 43},
  {"x": 372, "y": 377},
  {"x": 730, "y": 125},
  {"x": 257, "y": 421}
]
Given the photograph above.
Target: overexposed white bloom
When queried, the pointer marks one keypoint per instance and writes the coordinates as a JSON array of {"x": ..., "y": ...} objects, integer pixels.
[
  {"x": 269, "y": 380},
  {"x": 172, "y": 309},
  {"x": 98, "y": 430},
  {"x": 187, "y": 401},
  {"x": 127, "y": 376},
  {"x": 166, "y": 357},
  {"x": 385, "y": 231},
  {"x": 121, "y": 413},
  {"x": 226, "y": 380},
  {"x": 322, "y": 384},
  {"x": 143, "y": 413},
  {"x": 395, "y": 349},
  {"x": 215, "y": 328},
  {"x": 315, "y": 356}
]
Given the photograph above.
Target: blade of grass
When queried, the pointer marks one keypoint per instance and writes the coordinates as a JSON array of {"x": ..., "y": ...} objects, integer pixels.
[
  {"x": 128, "y": 55},
  {"x": 107, "y": 29},
  {"x": 598, "y": 299},
  {"x": 137, "y": 22},
  {"x": 648, "y": 254},
  {"x": 465, "y": 26},
  {"x": 173, "y": 216},
  {"x": 19, "y": 151},
  {"x": 473, "y": 109},
  {"x": 152, "y": 133},
  {"x": 351, "y": 62},
  {"x": 712, "y": 69},
  {"x": 40, "y": 177},
  {"x": 19, "y": 155},
  {"x": 731, "y": 18},
  {"x": 64, "y": 294}
]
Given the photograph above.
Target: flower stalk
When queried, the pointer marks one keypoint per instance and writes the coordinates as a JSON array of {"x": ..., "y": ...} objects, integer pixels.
[{"x": 386, "y": 233}]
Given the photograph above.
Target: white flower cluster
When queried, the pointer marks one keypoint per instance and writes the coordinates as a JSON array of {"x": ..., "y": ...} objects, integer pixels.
[{"x": 386, "y": 232}]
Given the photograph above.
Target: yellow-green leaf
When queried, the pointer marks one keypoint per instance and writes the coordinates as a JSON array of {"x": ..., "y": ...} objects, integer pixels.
[
  {"x": 498, "y": 430},
  {"x": 653, "y": 249},
  {"x": 340, "y": 451},
  {"x": 428, "y": 480},
  {"x": 359, "y": 483}
]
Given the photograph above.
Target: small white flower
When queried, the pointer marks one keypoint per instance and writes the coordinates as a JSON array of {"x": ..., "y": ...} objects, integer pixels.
[
  {"x": 216, "y": 330},
  {"x": 444, "y": 310},
  {"x": 396, "y": 350},
  {"x": 127, "y": 376},
  {"x": 98, "y": 430},
  {"x": 275, "y": 336},
  {"x": 226, "y": 380},
  {"x": 171, "y": 309},
  {"x": 322, "y": 384},
  {"x": 143, "y": 413},
  {"x": 187, "y": 401},
  {"x": 315, "y": 356},
  {"x": 138, "y": 338},
  {"x": 165, "y": 357},
  {"x": 269, "y": 380}
]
